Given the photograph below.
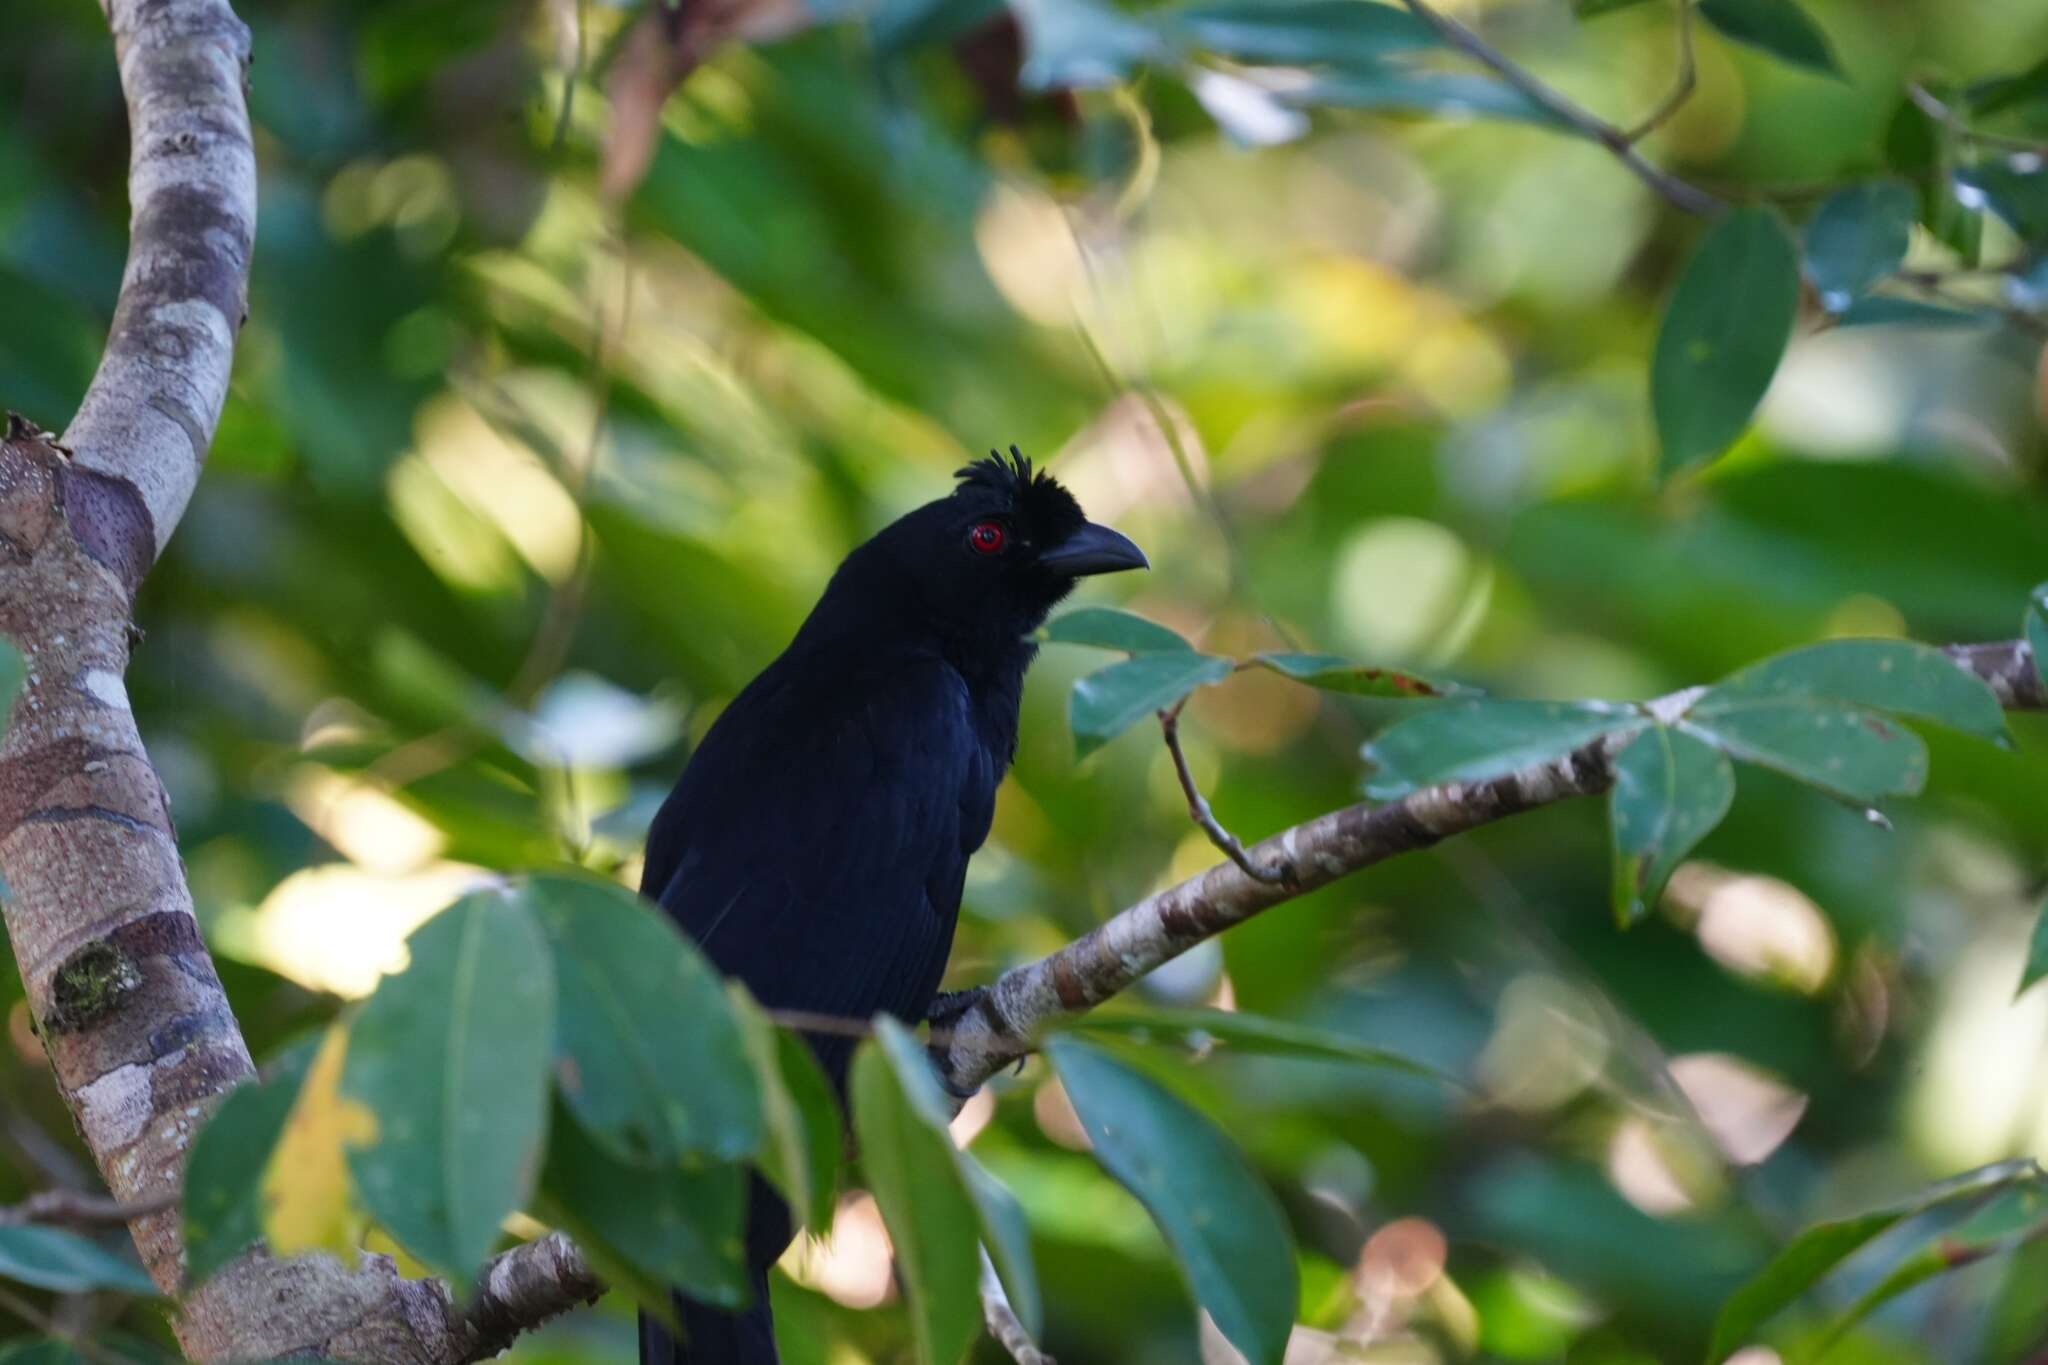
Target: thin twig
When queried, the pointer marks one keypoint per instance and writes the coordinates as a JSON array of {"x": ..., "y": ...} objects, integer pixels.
[
  {"x": 78, "y": 1207},
  {"x": 1680, "y": 193},
  {"x": 1939, "y": 110},
  {"x": 1002, "y": 1320},
  {"x": 1681, "y": 89},
  {"x": 1279, "y": 873},
  {"x": 50, "y": 1327}
]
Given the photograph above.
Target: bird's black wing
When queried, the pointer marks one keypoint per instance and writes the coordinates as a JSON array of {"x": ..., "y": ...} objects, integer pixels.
[{"x": 816, "y": 845}]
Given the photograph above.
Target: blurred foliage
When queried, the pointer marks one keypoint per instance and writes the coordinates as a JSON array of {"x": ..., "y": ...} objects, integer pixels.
[{"x": 1380, "y": 390}]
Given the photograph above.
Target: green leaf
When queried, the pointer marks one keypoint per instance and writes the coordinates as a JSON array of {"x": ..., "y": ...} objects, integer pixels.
[
  {"x": 675, "y": 1225},
  {"x": 1223, "y": 1225},
  {"x": 13, "y": 673},
  {"x": 1080, "y": 43},
  {"x": 647, "y": 1051},
  {"x": 1891, "y": 675},
  {"x": 804, "y": 1135},
  {"x": 1589, "y": 9},
  {"x": 1723, "y": 334},
  {"x": 2006, "y": 92},
  {"x": 1109, "y": 701},
  {"x": 2037, "y": 953},
  {"x": 2035, "y": 624},
  {"x": 1845, "y": 751},
  {"x": 452, "y": 1056},
  {"x": 1857, "y": 237},
  {"x": 1297, "y": 32},
  {"x": 1448, "y": 94},
  {"x": 1465, "y": 741},
  {"x": 1333, "y": 673},
  {"x": 46, "y": 1351},
  {"x": 1778, "y": 27},
  {"x": 65, "y": 1263},
  {"x": 931, "y": 1218},
  {"x": 2016, "y": 189},
  {"x": 1109, "y": 628},
  {"x": 1885, "y": 310},
  {"x": 1670, "y": 790},
  {"x": 224, "y": 1175},
  {"x": 1248, "y": 1033},
  {"x": 899, "y": 25},
  {"x": 1819, "y": 1249}
]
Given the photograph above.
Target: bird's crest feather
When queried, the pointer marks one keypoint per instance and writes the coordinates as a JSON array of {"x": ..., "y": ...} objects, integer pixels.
[{"x": 1039, "y": 499}]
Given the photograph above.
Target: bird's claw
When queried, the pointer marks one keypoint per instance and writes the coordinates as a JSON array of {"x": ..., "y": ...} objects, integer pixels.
[{"x": 946, "y": 1008}]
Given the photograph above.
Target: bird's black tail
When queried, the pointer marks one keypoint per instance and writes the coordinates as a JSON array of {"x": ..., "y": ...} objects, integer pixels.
[{"x": 713, "y": 1336}]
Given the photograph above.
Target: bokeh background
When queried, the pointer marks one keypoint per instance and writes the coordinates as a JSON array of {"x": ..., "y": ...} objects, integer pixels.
[{"x": 514, "y": 490}]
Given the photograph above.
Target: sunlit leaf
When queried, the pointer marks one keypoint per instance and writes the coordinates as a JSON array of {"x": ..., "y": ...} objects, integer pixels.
[
  {"x": 1891, "y": 675},
  {"x": 932, "y": 1220},
  {"x": 1243, "y": 1032},
  {"x": 65, "y": 1263},
  {"x": 307, "y": 1199},
  {"x": 801, "y": 1153},
  {"x": 1464, "y": 741},
  {"x": 1847, "y": 751},
  {"x": 1779, "y": 27},
  {"x": 1670, "y": 791},
  {"x": 1820, "y": 1248},
  {"x": 1334, "y": 673},
  {"x": 1226, "y": 1231},
  {"x": 1857, "y": 237},
  {"x": 224, "y": 1175},
  {"x": 1724, "y": 332},
  {"x": 1111, "y": 700},
  {"x": 1109, "y": 628},
  {"x": 647, "y": 1051},
  {"x": 452, "y": 1056},
  {"x": 1296, "y": 32}
]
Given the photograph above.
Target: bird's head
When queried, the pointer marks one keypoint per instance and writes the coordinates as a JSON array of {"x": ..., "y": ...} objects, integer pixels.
[{"x": 995, "y": 557}]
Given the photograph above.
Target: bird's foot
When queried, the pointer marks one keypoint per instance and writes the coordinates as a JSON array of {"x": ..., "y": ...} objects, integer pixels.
[{"x": 947, "y": 1008}]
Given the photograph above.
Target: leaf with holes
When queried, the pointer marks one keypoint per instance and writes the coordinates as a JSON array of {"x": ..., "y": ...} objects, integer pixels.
[
  {"x": 1334, "y": 673},
  {"x": 1111, "y": 700},
  {"x": 1670, "y": 790},
  {"x": 1223, "y": 1225},
  {"x": 1857, "y": 237},
  {"x": 1109, "y": 628},
  {"x": 224, "y": 1176},
  {"x": 1891, "y": 675},
  {"x": 647, "y": 1051},
  {"x": 1724, "y": 332},
  {"x": 65, "y": 1263},
  {"x": 1778, "y": 27},
  {"x": 1467, "y": 741},
  {"x": 452, "y": 1056},
  {"x": 1846, "y": 751}
]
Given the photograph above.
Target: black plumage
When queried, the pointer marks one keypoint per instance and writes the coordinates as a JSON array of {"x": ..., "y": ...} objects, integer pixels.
[{"x": 816, "y": 845}]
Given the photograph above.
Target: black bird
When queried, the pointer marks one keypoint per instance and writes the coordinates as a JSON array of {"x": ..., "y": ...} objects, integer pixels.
[{"x": 816, "y": 845}]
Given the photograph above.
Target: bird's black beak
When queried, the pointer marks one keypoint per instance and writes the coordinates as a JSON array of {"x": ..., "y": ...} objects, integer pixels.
[{"x": 1094, "y": 549}]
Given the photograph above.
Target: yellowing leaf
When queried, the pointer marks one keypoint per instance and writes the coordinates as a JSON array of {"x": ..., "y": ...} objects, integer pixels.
[{"x": 306, "y": 1186}]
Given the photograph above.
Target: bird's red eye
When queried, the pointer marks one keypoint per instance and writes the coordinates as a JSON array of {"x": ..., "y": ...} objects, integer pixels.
[{"x": 987, "y": 537}]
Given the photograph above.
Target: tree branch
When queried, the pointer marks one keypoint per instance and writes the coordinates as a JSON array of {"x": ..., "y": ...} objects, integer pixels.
[{"x": 1005, "y": 1020}]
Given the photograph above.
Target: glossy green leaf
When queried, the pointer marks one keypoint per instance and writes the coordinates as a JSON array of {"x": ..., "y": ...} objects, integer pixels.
[
  {"x": 1858, "y": 236},
  {"x": 1447, "y": 94},
  {"x": 804, "y": 1143},
  {"x": 65, "y": 1263},
  {"x": 1111, "y": 700},
  {"x": 1223, "y": 1225},
  {"x": 1820, "y": 1248},
  {"x": 2037, "y": 952},
  {"x": 1670, "y": 791},
  {"x": 2014, "y": 188},
  {"x": 452, "y": 1056},
  {"x": 1886, "y": 310},
  {"x": 1846, "y": 751},
  {"x": 46, "y": 1351},
  {"x": 1334, "y": 673},
  {"x": 1476, "y": 739},
  {"x": 647, "y": 1051},
  {"x": 1109, "y": 628},
  {"x": 1724, "y": 332},
  {"x": 932, "y": 1220},
  {"x": 224, "y": 1175},
  {"x": 1297, "y": 32},
  {"x": 1892, "y": 675},
  {"x": 1779, "y": 27},
  {"x": 675, "y": 1225},
  {"x": 1242, "y": 1032},
  {"x": 2035, "y": 624},
  {"x": 1082, "y": 43}
]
